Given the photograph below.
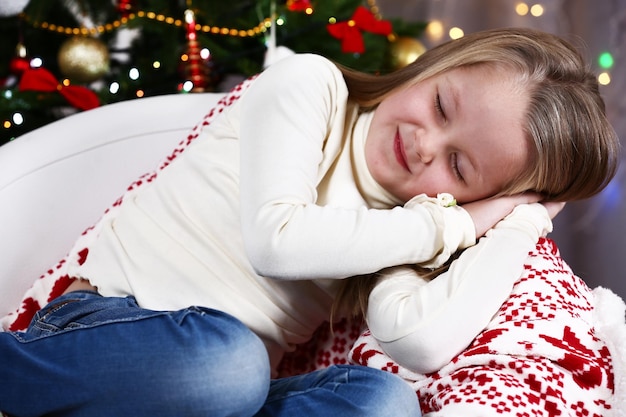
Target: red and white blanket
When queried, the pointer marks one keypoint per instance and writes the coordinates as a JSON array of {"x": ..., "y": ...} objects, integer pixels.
[
  {"x": 556, "y": 348},
  {"x": 553, "y": 349}
]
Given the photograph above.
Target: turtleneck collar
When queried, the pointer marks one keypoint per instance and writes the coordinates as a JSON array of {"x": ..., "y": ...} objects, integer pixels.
[{"x": 374, "y": 195}]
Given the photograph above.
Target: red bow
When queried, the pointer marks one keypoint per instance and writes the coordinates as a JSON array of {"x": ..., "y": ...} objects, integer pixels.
[
  {"x": 40, "y": 79},
  {"x": 298, "y": 5},
  {"x": 350, "y": 32}
]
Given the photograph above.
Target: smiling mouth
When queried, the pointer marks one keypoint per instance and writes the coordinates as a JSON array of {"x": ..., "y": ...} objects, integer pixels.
[{"x": 398, "y": 149}]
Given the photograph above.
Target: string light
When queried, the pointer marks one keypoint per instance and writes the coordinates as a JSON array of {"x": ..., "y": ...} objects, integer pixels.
[
  {"x": 456, "y": 33},
  {"x": 604, "y": 78},
  {"x": 605, "y": 60},
  {"x": 374, "y": 9},
  {"x": 133, "y": 74},
  {"x": 18, "y": 119},
  {"x": 536, "y": 10},
  {"x": 108, "y": 27},
  {"x": 257, "y": 30},
  {"x": 521, "y": 9},
  {"x": 434, "y": 30},
  {"x": 114, "y": 87},
  {"x": 36, "y": 62},
  {"x": 187, "y": 86}
]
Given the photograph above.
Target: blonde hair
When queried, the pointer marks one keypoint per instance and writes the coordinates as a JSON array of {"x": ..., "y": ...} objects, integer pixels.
[{"x": 576, "y": 149}]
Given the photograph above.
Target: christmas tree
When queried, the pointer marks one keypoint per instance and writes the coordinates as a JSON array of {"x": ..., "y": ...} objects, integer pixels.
[{"x": 63, "y": 56}]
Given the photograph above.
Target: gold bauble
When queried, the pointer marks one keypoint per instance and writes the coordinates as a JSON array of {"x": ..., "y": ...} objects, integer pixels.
[
  {"x": 405, "y": 50},
  {"x": 83, "y": 59}
]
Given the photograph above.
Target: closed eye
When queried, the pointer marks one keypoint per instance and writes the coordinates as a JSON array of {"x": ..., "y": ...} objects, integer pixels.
[
  {"x": 454, "y": 163},
  {"x": 438, "y": 106}
]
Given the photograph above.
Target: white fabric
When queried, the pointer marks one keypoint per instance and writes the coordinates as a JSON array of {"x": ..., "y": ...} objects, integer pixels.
[
  {"x": 609, "y": 311},
  {"x": 413, "y": 319},
  {"x": 57, "y": 180},
  {"x": 304, "y": 190}
]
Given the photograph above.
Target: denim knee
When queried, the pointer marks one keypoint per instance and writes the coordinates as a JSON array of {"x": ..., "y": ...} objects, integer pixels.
[
  {"x": 233, "y": 379},
  {"x": 345, "y": 390},
  {"x": 387, "y": 395}
]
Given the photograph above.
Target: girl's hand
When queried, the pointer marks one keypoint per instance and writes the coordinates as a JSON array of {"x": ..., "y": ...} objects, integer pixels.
[
  {"x": 553, "y": 208},
  {"x": 486, "y": 213}
]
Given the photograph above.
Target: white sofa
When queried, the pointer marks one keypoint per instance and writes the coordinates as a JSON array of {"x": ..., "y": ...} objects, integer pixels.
[{"x": 57, "y": 180}]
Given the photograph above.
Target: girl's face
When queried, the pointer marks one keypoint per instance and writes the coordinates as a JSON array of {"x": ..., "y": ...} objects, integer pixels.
[{"x": 459, "y": 132}]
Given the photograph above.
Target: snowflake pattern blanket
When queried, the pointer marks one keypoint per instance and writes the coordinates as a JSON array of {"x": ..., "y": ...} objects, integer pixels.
[
  {"x": 552, "y": 350},
  {"x": 555, "y": 348}
]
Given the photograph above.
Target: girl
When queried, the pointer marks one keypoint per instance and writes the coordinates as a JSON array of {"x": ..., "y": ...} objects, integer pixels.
[{"x": 311, "y": 174}]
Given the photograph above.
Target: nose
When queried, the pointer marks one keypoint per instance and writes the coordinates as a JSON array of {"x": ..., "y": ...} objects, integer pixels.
[{"x": 426, "y": 149}]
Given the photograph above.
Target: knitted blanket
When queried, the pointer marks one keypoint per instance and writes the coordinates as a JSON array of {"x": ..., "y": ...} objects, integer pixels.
[{"x": 555, "y": 348}]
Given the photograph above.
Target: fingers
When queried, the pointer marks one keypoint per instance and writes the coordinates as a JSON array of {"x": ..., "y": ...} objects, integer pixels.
[
  {"x": 526, "y": 198},
  {"x": 553, "y": 208}
]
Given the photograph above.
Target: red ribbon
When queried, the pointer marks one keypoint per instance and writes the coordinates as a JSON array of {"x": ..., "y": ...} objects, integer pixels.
[
  {"x": 350, "y": 32},
  {"x": 40, "y": 79}
]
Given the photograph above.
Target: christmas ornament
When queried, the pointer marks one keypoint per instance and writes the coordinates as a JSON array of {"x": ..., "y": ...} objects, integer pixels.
[
  {"x": 19, "y": 63},
  {"x": 196, "y": 69},
  {"x": 350, "y": 32},
  {"x": 83, "y": 59},
  {"x": 12, "y": 7},
  {"x": 40, "y": 79},
  {"x": 405, "y": 50}
]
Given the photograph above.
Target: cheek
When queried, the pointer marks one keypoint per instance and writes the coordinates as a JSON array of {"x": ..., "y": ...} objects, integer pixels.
[{"x": 428, "y": 183}]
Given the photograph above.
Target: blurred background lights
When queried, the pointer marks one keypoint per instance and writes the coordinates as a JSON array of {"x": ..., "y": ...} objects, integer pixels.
[
  {"x": 456, "y": 33},
  {"x": 187, "y": 86},
  {"x": 521, "y": 9},
  {"x": 604, "y": 78},
  {"x": 434, "y": 30},
  {"x": 205, "y": 53},
  {"x": 36, "y": 62},
  {"x": 133, "y": 74},
  {"x": 156, "y": 65},
  {"x": 605, "y": 60},
  {"x": 18, "y": 119},
  {"x": 114, "y": 87},
  {"x": 536, "y": 10}
]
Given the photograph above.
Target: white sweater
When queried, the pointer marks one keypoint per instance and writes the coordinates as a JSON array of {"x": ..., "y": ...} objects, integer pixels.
[
  {"x": 423, "y": 324},
  {"x": 265, "y": 210}
]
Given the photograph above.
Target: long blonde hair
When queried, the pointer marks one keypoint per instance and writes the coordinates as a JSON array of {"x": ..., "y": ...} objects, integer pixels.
[
  {"x": 577, "y": 151},
  {"x": 576, "y": 147}
]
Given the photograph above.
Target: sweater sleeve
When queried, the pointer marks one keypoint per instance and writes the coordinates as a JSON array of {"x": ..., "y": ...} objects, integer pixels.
[
  {"x": 423, "y": 325},
  {"x": 288, "y": 113}
]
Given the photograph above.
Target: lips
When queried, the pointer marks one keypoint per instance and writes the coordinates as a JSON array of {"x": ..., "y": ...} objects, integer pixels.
[{"x": 398, "y": 149}]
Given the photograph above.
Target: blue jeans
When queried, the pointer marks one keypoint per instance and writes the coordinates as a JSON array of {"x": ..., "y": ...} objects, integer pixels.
[{"x": 87, "y": 355}]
